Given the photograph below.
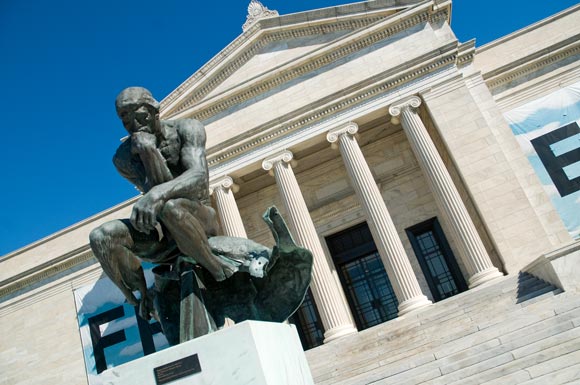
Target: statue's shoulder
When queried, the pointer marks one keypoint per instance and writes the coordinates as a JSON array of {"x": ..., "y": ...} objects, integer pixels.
[
  {"x": 187, "y": 128},
  {"x": 184, "y": 124}
]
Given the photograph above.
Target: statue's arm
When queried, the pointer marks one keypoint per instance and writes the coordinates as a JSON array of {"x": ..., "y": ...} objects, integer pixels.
[
  {"x": 130, "y": 167},
  {"x": 144, "y": 145},
  {"x": 193, "y": 182}
]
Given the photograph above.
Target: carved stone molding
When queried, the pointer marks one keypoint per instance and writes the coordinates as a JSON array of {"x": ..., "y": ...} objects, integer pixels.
[
  {"x": 257, "y": 11},
  {"x": 284, "y": 156},
  {"x": 396, "y": 108},
  {"x": 350, "y": 128},
  {"x": 223, "y": 189},
  {"x": 223, "y": 182},
  {"x": 340, "y": 105},
  {"x": 31, "y": 277},
  {"x": 466, "y": 53},
  {"x": 530, "y": 64}
]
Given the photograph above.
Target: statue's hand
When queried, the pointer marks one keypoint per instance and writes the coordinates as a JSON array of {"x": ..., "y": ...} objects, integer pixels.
[
  {"x": 145, "y": 211},
  {"x": 140, "y": 141}
]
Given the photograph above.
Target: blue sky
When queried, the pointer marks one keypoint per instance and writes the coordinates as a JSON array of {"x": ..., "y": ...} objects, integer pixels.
[{"x": 63, "y": 62}]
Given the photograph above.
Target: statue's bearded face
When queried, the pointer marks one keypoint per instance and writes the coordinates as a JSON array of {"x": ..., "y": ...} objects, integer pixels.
[
  {"x": 138, "y": 117},
  {"x": 138, "y": 110}
]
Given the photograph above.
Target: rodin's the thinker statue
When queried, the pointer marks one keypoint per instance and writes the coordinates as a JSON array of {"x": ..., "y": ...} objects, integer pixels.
[{"x": 201, "y": 277}]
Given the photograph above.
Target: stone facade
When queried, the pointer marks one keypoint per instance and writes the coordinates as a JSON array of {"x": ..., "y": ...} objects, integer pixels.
[{"x": 370, "y": 112}]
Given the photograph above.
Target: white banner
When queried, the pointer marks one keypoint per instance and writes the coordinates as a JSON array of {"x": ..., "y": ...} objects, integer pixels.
[
  {"x": 111, "y": 332},
  {"x": 548, "y": 130}
]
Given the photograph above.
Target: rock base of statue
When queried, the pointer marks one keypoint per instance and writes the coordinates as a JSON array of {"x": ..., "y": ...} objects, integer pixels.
[{"x": 252, "y": 352}]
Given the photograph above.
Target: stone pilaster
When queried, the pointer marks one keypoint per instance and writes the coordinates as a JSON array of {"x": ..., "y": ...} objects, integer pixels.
[
  {"x": 223, "y": 189},
  {"x": 472, "y": 251},
  {"x": 385, "y": 235},
  {"x": 334, "y": 313}
]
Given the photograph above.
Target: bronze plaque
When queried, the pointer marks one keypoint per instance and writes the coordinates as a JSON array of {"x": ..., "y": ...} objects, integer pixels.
[{"x": 175, "y": 370}]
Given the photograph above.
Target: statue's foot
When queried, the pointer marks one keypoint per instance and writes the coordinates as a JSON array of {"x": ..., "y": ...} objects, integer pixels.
[
  {"x": 224, "y": 269},
  {"x": 220, "y": 268},
  {"x": 146, "y": 308}
]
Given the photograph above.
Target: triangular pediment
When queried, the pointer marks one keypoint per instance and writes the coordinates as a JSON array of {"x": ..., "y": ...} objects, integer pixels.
[
  {"x": 274, "y": 55},
  {"x": 272, "y": 45}
]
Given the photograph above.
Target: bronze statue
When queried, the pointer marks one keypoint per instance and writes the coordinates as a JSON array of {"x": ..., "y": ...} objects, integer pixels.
[{"x": 173, "y": 225}]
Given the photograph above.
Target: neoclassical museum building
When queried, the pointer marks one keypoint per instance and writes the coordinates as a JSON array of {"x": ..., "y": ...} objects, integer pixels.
[{"x": 436, "y": 182}]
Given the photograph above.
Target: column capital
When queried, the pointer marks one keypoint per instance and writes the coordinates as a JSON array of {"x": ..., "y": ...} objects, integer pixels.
[
  {"x": 225, "y": 182},
  {"x": 283, "y": 156},
  {"x": 350, "y": 128},
  {"x": 396, "y": 108}
]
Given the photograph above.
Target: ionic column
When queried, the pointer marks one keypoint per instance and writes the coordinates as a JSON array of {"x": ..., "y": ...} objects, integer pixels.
[
  {"x": 334, "y": 313},
  {"x": 391, "y": 250},
  {"x": 224, "y": 188},
  {"x": 473, "y": 253}
]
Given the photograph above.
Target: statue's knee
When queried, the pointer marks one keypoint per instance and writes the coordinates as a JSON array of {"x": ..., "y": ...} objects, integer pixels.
[
  {"x": 96, "y": 236},
  {"x": 171, "y": 210},
  {"x": 105, "y": 233}
]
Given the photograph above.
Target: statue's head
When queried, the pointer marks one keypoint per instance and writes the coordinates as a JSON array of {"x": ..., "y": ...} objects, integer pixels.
[{"x": 138, "y": 110}]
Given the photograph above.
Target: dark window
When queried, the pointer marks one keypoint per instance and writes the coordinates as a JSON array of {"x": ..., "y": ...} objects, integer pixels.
[
  {"x": 363, "y": 276},
  {"x": 557, "y": 165},
  {"x": 436, "y": 259},
  {"x": 307, "y": 322}
]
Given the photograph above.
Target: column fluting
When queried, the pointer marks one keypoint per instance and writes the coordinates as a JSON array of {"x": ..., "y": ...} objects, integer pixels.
[
  {"x": 334, "y": 312},
  {"x": 472, "y": 251},
  {"x": 383, "y": 230}
]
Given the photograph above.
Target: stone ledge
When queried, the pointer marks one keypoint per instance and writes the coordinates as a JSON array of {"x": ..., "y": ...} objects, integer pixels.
[
  {"x": 29, "y": 279},
  {"x": 532, "y": 63},
  {"x": 560, "y": 267}
]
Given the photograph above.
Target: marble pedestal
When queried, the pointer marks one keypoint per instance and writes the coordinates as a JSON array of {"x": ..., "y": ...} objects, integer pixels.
[{"x": 252, "y": 352}]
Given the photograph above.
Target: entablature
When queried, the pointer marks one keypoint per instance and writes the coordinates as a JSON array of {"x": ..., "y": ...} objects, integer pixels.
[
  {"x": 519, "y": 66},
  {"x": 368, "y": 98}
]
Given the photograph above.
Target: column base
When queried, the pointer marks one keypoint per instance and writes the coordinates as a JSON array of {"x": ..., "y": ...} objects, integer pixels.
[
  {"x": 339, "y": 331},
  {"x": 413, "y": 304},
  {"x": 484, "y": 276}
]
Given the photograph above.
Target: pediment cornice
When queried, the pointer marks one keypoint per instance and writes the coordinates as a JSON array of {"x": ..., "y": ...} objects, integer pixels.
[
  {"x": 189, "y": 98},
  {"x": 238, "y": 53},
  {"x": 522, "y": 68}
]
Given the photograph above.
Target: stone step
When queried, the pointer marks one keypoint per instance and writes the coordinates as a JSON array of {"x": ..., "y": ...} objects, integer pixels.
[
  {"x": 503, "y": 294},
  {"x": 428, "y": 322},
  {"x": 518, "y": 354},
  {"x": 563, "y": 375},
  {"x": 512, "y": 331},
  {"x": 400, "y": 363},
  {"x": 550, "y": 359},
  {"x": 484, "y": 324},
  {"x": 476, "y": 359},
  {"x": 491, "y": 369},
  {"x": 420, "y": 342}
]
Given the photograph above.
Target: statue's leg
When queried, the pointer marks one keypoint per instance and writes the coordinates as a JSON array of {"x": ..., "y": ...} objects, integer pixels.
[
  {"x": 115, "y": 245},
  {"x": 190, "y": 223}
]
